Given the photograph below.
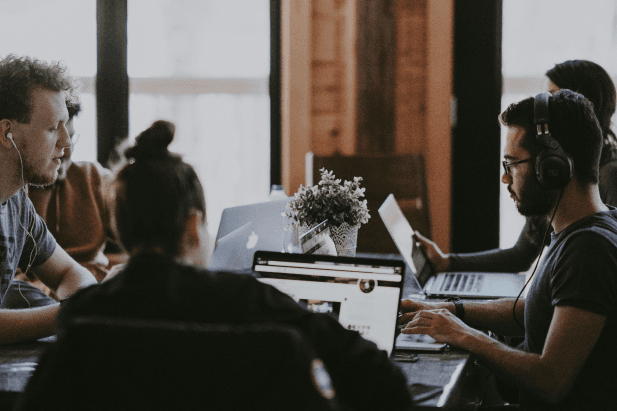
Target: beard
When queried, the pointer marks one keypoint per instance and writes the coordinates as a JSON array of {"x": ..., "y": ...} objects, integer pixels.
[
  {"x": 536, "y": 200},
  {"x": 37, "y": 179}
]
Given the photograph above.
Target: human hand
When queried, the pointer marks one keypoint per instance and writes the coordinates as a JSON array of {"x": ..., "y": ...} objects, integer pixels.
[
  {"x": 440, "y": 324},
  {"x": 440, "y": 261},
  {"x": 409, "y": 309}
]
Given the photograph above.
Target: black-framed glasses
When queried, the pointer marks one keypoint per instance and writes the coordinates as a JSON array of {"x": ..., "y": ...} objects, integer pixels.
[
  {"x": 75, "y": 138},
  {"x": 507, "y": 164}
]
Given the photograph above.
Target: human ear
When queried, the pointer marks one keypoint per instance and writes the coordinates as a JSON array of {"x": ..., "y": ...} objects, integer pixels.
[
  {"x": 6, "y": 137},
  {"x": 192, "y": 228}
]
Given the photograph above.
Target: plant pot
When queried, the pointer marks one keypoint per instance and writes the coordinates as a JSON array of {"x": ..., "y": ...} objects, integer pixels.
[{"x": 345, "y": 239}]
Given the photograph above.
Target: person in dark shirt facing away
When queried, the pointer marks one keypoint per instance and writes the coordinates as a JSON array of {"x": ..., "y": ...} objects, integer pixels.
[{"x": 161, "y": 221}]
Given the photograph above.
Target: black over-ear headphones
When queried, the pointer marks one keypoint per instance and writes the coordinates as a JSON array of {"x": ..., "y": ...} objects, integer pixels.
[{"x": 553, "y": 166}]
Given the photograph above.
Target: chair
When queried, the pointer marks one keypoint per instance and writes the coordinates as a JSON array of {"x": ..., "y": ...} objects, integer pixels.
[
  {"x": 382, "y": 174},
  {"x": 126, "y": 364}
]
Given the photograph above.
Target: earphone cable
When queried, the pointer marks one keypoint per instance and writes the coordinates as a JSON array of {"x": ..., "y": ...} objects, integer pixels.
[
  {"x": 537, "y": 262},
  {"x": 34, "y": 251}
]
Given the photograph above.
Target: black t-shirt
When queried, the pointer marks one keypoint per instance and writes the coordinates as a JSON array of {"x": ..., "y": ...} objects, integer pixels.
[
  {"x": 153, "y": 286},
  {"x": 579, "y": 270}
]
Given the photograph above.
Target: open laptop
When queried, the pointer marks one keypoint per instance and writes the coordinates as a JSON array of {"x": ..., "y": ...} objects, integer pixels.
[
  {"x": 266, "y": 218},
  {"x": 363, "y": 294},
  {"x": 246, "y": 229},
  {"x": 448, "y": 284}
]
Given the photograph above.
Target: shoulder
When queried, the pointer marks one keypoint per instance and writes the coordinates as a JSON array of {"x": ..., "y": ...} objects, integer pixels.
[
  {"x": 90, "y": 169},
  {"x": 601, "y": 225}
]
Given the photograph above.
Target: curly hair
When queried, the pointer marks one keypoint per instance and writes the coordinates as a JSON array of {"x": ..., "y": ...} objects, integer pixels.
[{"x": 20, "y": 75}]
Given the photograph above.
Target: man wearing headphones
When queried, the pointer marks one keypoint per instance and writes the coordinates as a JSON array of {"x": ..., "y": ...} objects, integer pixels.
[
  {"x": 569, "y": 317},
  {"x": 33, "y": 137}
]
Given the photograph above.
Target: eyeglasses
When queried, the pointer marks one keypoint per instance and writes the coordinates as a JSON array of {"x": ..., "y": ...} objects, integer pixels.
[
  {"x": 507, "y": 164},
  {"x": 74, "y": 138}
]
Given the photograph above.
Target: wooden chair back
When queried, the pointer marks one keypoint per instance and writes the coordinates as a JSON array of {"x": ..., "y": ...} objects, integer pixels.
[{"x": 401, "y": 175}]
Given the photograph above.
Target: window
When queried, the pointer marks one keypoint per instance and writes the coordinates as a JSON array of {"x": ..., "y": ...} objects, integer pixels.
[
  {"x": 536, "y": 36},
  {"x": 62, "y": 30},
  {"x": 204, "y": 65}
]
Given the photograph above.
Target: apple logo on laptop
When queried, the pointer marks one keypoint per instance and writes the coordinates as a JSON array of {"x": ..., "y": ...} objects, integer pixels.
[{"x": 252, "y": 242}]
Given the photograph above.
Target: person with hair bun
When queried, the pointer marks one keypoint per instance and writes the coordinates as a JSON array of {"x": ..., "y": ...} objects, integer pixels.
[{"x": 160, "y": 214}]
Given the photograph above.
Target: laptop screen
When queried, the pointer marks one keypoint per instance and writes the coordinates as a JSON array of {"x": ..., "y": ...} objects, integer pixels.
[
  {"x": 401, "y": 233},
  {"x": 363, "y": 294}
]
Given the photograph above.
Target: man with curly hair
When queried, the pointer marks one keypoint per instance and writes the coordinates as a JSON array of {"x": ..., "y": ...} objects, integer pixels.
[{"x": 33, "y": 138}]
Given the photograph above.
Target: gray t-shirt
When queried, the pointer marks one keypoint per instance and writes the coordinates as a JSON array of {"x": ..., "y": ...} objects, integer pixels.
[
  {"x": 16, "y": 246},
  {"x": 579, "y": 270}
]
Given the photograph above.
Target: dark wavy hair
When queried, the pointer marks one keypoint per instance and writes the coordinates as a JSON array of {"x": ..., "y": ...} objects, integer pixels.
[
  {"x": 155, "y": 192},
  {"x": 20, "y": 75},
  {"x": 572, "y": 123},
  {"x": 593, "y": 82}
]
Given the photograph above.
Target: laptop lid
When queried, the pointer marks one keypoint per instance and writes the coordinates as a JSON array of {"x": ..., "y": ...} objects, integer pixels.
[
  {"x": 363, "y": 294},
  {"x": 401, "y": 232},
  {"x": 236, "y": 250},
  {"x": 464, "y": 284},
  {"x": 267, "y": 218}
]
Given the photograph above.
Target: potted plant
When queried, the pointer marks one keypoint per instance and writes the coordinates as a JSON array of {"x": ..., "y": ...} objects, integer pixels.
[{"x": 341, "y": 204}]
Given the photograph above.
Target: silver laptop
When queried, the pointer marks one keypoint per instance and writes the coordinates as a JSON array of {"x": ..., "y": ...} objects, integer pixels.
[
  {"x": 246, "y": 229},
  {"x": 363, "y": 294},
  {"x": 264, "y": 216},
  {"x": 449, "y": 284}
]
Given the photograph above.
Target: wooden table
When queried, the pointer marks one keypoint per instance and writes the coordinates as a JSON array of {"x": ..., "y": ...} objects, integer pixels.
[
  {"x": 454, "y": 371},
  {"x": 17, "y": 363}
]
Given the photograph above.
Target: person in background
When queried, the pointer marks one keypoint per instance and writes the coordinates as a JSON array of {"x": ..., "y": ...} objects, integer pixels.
[
  {"x": 161, "y": 221},
  {"x": 33, "y": 138},
  {"x": 76, "y": 208},
  {"x": 593, "y": 82},
  {"x": 569, "y": 317}
]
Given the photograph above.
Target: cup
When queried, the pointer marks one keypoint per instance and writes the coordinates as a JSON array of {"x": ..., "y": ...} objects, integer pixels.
[{"x": 291, "y": 243}]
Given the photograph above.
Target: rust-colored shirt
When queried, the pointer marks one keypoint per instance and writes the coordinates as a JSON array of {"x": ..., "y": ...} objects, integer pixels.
[{"x": 77, "y": 212}]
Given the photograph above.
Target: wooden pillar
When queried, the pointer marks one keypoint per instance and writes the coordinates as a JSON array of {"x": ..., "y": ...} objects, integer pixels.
[{"x": 376, "y": 66}]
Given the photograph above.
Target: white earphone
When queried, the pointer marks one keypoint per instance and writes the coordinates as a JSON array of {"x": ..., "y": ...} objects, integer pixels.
[{"x": 10, "y": 137}]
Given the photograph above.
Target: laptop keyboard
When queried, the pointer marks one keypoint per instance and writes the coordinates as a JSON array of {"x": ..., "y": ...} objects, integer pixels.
[{"x": 462, "y": 282}]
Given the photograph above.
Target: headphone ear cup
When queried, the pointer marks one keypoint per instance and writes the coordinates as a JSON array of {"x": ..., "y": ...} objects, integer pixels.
[{"x": 553, "y": 168}]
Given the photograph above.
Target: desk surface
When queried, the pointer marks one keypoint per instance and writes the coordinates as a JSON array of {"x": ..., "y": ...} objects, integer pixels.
[
  {"x": 17, "y": 363},
  {"x": 451, "y": 370}
]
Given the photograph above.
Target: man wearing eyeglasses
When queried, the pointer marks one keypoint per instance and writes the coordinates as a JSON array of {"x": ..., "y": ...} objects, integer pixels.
[{"x": 569, "y": 316}]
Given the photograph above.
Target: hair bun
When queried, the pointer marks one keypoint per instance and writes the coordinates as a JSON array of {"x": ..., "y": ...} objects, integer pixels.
[{"x": 152, "y": 143}]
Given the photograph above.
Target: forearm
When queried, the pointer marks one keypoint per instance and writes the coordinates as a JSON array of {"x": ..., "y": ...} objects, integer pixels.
[
  {"x": 74, "y": 279},
  {"x": 27, "y": 325},
  {"x": 524, "y": 370},
  {"x": 493, "y": 315},
  {"x": 496, "y": 316},
  {"x": 518, "y": 258},
  {"x": 510, "y": 260}
]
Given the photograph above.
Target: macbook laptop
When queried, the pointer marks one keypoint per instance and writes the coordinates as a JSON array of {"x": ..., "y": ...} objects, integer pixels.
[
  {"x": 266, "y": 217},
  {"x": 246, "y": 229},
  {"x": 363, "y": 294},
  {"x": 448, "y": 284}
]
